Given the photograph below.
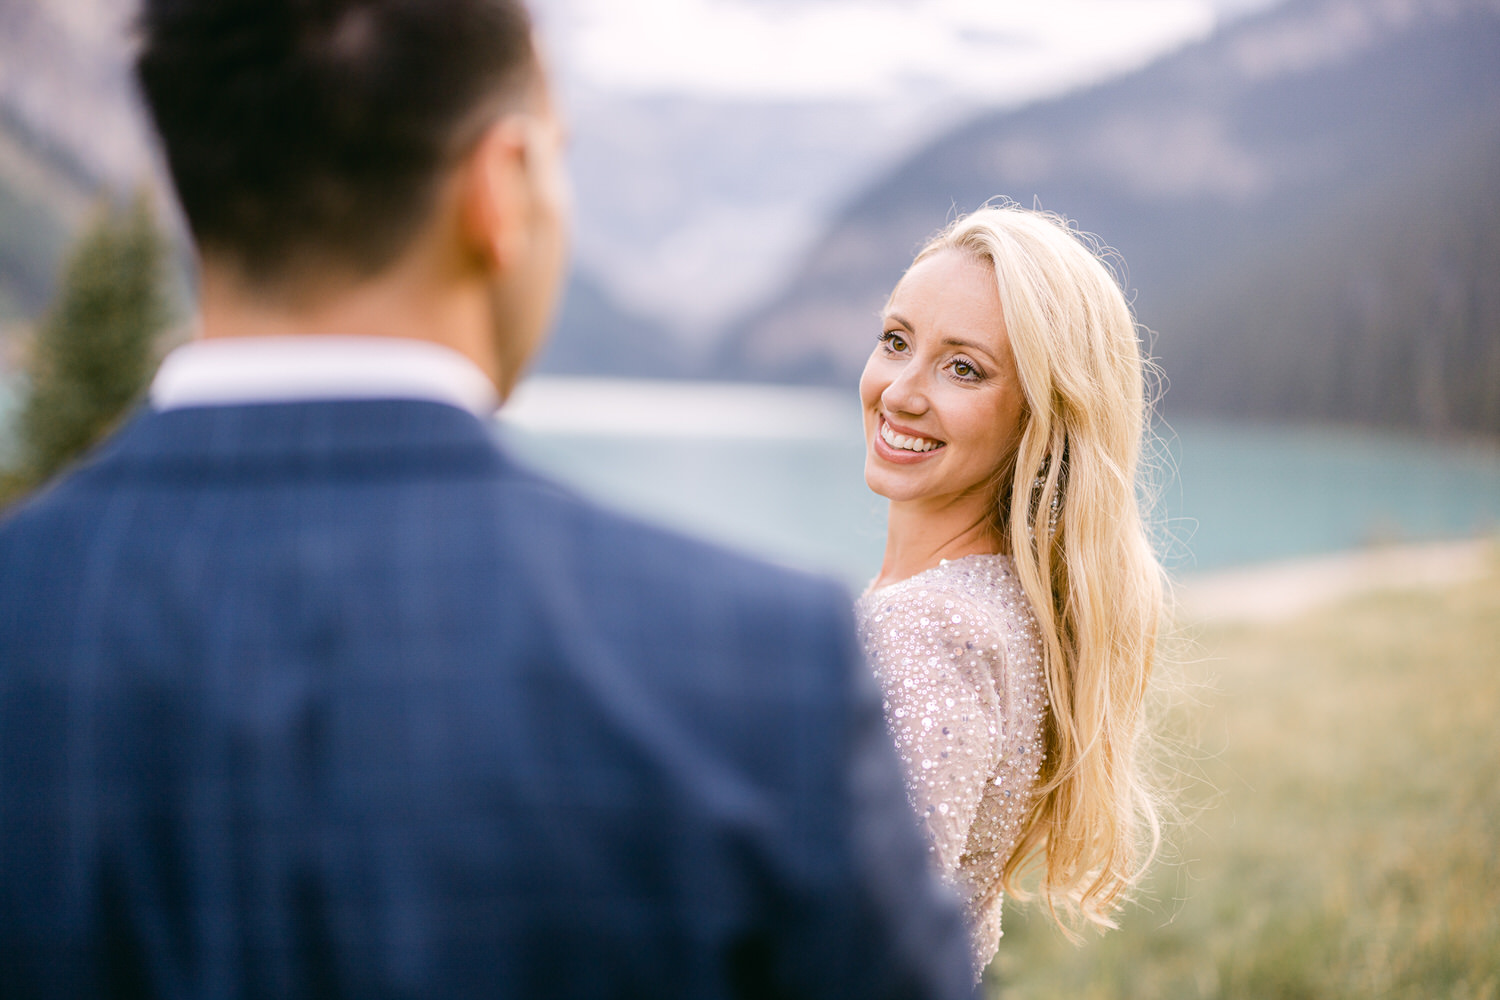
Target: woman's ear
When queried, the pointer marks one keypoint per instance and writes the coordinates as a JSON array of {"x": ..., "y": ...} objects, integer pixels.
[{"x": 494, "y": 194}]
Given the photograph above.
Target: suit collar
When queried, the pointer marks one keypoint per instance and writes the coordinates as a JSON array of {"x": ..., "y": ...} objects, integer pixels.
[{"x": 369, "y": 434}]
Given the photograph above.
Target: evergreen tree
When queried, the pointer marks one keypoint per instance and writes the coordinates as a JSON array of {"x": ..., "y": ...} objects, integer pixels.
[{"x": 95, "y": 350}]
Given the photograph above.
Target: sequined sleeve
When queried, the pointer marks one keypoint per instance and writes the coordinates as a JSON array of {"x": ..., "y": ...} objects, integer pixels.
[
  {"x": 959, "y": 657},
  {"x": 938, "y": 657}
]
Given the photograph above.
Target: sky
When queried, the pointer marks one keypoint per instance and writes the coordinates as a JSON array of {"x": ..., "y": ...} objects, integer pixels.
[{"x": 979, "y": 52}]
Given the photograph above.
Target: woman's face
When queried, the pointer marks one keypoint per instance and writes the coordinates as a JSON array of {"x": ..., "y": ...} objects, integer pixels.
[{"x": 942, "y": 402}]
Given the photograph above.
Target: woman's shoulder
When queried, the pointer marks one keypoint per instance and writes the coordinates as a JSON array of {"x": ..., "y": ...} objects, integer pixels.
[
  {"x": 980, "y": 590},
  {"x": 981, "y": 586},
  {"x": 979, "y": 580}
]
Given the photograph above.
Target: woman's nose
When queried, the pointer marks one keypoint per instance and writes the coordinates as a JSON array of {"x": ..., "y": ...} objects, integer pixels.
[{"x": 907, "y": 393}]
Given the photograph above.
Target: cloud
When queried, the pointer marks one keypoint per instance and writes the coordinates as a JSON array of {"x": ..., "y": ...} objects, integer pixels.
[{"x": 976, "y": 51}]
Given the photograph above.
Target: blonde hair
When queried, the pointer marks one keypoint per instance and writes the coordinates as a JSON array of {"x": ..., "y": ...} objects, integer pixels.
[{"x": 1071, "y": 516}]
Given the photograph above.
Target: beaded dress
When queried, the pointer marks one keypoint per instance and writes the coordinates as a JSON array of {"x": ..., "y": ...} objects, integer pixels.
[{"x": 959, "y": 659}]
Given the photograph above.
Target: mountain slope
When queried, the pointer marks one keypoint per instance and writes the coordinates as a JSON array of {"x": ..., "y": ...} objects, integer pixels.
[
  {"x": 1383, "y": 308},
  {"x": 594, "y": 335},
  {"x": 1266, "y": 157},
  {"x": 43, "y": 195},
  {"x": 72, "y": 131}
]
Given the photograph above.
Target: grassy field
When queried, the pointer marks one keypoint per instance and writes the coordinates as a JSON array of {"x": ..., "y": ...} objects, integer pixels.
[{"x": 1350, "y": 844}]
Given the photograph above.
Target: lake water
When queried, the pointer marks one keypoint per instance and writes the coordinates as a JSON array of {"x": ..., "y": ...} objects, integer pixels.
[{"x": 778, "y": 471}]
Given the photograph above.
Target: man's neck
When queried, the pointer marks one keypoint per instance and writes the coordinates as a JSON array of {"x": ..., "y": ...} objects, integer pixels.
[{"x": 395, "y": 305}]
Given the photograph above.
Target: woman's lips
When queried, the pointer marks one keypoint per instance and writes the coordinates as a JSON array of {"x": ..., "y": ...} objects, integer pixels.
[{"x": 895, "y": 446}]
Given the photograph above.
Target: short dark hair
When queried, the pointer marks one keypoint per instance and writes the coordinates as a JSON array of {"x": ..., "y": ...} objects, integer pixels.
[{"x": 300, "y": 130}]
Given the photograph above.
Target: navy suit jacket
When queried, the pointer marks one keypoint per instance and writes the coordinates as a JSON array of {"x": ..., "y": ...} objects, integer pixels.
[{"x": 336, "y": 700}]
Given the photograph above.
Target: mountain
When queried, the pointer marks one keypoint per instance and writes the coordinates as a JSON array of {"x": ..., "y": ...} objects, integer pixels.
[
  {"x": 1306, "y": 204},
  {"x": 693, "y": 210},
  {"x": 72, "y": 131},
  {"x": 65, "y": 77},
  {"x": 69, "y": 127},
  {"x": 594, "y": 335},
  {"x": 42, "y": 194}
]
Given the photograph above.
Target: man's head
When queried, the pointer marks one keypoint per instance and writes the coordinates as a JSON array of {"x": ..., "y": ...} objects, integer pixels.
[{"x": 314, "y": 143}]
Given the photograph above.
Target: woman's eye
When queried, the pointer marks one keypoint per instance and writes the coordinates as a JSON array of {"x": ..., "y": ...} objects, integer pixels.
[
  {"x": 893, "y": 340},
  {"x": 964, "y": 370}
]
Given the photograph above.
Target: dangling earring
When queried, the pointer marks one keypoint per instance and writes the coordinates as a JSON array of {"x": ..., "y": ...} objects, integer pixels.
[
  {"x": 1039, "y": 485},
  {"x": 1054, "y": 508}
]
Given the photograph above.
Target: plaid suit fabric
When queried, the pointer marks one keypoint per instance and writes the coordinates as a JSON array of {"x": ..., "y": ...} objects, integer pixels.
[{"x": 335, "y": 699}]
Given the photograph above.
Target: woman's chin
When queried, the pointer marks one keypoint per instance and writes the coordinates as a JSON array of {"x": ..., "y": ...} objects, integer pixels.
[{"x": 891, "y": 483}]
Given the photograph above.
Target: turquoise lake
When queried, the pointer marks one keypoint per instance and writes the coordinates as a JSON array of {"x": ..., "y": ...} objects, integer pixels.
[
  {"x": 1228, "y": 494},
  {"x": 777, "y": 471}
]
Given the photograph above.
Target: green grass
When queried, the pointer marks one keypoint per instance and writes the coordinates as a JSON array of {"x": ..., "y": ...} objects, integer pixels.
[{"x": 1350, "y": 844}]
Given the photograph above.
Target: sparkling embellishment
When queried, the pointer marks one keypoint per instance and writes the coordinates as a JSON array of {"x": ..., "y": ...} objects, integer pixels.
[{"x": 959, "y": 658}]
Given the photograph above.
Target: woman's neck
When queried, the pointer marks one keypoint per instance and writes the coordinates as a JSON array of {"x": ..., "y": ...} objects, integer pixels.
[{"x": 921, "y": 534}]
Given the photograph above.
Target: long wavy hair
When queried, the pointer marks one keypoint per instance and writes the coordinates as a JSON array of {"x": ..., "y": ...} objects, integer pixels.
[{"x": 1069, "y": 510}]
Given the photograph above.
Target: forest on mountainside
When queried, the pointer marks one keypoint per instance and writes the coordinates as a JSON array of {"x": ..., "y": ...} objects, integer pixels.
[{"x": 1384, "y": 309}]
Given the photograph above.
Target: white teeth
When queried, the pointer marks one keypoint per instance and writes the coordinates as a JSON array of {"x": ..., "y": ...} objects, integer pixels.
[{"x": 903, "y": 442}]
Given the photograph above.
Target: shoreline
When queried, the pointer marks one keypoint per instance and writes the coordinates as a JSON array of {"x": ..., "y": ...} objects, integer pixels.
[{"x": 1283, "y": 590}]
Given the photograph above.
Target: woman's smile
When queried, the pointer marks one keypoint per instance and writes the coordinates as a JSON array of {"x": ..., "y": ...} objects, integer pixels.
[{"x": 899, "y": 444}]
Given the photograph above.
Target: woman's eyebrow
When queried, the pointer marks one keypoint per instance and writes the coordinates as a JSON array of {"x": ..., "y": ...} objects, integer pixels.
[
  {"x": 967, "y": 345},
  {"x": 898, "y": 318}
]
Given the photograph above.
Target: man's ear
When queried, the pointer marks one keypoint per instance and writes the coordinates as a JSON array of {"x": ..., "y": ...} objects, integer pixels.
[{"x": 493, "y": 199}]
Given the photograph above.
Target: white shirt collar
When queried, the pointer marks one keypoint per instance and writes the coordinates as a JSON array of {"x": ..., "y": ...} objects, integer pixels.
[{"x": 238, "y": 370}]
